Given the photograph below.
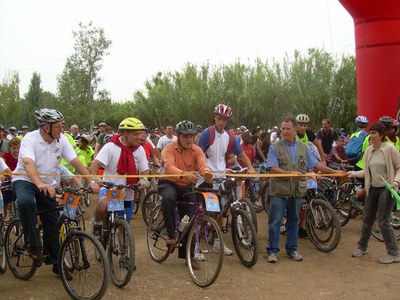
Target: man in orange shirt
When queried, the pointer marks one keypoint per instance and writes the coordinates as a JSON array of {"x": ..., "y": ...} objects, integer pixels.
[{"x": 185, "y": 158}]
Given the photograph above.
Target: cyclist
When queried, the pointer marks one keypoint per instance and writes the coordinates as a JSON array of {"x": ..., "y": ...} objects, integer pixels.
[
  {"x": 325, "y": 138},
  {"x": 186, "y": 158},
  {"x": 13, "y": 132},
  {"x": 85, "y": 149},
  {"x": 122, "y": 155},
  {"x": 217, "y": 150},
  {"x": 3, "y": 141},
  {"x": 74, "y": 132},
  {"x": 149, "y": 149},
  {"x": 307, "y": 137},
  {"x": 391, "y": 127},
  {"x": 165, "y": 140},
  {"x": 40, "y": 153},
  {"x": 24, "y": 131},
  {"x": 99, "y": 141}
]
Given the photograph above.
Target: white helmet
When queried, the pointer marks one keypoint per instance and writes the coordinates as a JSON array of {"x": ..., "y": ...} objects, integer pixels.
[{"x": 302, "y": 118}]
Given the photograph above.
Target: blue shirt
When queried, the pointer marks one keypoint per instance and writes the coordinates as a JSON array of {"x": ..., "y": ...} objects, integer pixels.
[{"x": 272, "y": 160}]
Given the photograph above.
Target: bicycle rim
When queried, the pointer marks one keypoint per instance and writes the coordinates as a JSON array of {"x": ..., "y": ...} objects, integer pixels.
[
  {"x": 244, "y": 238},
  {"x": 323, "y": 225},
  {"x": 343, "y": 202},
  {"x": 121, "y": 253},
  {"x": 20, "y": 263},
  {"x": 211, "y": 261},
  {"x": 87, "y": 199},
  {"x": 248, "y": 207},
  {"x": 157, "y": 236},
  {"x": 84, "y": 268}
]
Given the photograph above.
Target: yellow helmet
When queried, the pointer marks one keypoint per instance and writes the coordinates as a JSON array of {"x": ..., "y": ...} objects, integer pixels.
[{"x": 131, "y": 124}]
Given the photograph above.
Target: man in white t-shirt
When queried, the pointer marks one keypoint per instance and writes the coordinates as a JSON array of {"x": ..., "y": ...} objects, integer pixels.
[
  {"x": 165, "y": 140},
  {"x": 122, "y": 155},
  {"x": 40, "y": 153}
]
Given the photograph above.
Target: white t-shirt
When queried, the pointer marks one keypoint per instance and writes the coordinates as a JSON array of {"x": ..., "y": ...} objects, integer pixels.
[
  {"x": 165, "y": 141},
  {"x": 109, "y": 157},
  {"x": 46, "y": 156},
  {"x": 3, "y": 165},
  {"x": 216, "y": 152}
]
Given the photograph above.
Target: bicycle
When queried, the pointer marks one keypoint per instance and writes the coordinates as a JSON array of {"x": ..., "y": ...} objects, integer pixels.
[
  {"x": 201, "y": 232},
  {"x": 2, "y": 240},
  {"x": 349, "y": 206},
  {"x": 83, "y": 275},
  {"x": 116, "y": 236},
  {"x": 244, "y": 234}
]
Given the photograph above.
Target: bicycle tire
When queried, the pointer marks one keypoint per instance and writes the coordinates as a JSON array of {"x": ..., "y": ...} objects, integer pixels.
[
  {"x": 343, "y": 202},
  {"x": 157, "y": 236},
  {"x": 137, "y": 201},
  {"x": 376, "y": 233},
  {"x": 121, "y": 257},
  {"x": 247, "y": 206},
  {"x": 87, "y": 198},
  {"x": 150, "y": 201},
  {"x": 3, "y": 262},
  {"x": 209, "y": 270},
  {"x": 18, "y": 260},
  {"x": 255, "y": 198},
  {"x": 84, "y": 276},
  {"x": 244, "y": 238},
  {"x": 324, "y": 222}
]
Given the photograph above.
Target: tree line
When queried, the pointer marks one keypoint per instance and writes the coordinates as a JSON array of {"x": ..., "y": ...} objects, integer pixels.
[{"x": 260, "y": 93}]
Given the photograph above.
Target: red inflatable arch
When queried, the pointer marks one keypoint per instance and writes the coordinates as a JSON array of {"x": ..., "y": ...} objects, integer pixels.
[{"x": 377, "y": 36}]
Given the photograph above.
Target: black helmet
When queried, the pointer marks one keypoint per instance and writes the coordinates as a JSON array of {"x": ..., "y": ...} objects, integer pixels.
[
  {"x": 48, "y": 116},
  {"x": 186, "y": 127},
  {"x": 387, "y": 121}
]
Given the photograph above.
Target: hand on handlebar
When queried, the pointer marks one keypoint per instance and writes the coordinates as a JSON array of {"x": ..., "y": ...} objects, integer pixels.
[
  {"x": 192, "y": 176},
  {"x": 95, "y": 187},
  {"x": 47, "y": 189},
  {"x": 208, "y": 178}
]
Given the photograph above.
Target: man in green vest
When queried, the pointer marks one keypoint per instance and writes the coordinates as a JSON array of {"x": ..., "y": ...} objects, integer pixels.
[{"x": 288, "y": 156}]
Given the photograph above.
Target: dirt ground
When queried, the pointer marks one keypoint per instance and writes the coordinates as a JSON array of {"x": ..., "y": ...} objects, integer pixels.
[{"x": 319, "y": 276}]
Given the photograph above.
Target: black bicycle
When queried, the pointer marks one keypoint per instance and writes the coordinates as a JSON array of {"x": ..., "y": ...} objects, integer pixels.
[{"x": 84, "y": 274}]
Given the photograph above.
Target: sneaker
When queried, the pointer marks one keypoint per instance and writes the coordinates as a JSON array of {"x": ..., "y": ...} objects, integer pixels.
[
  {"x": 303, "y": 233},
  {"x": 358, "y": 252},
  {"x": 199, "y": 256},
  {"x": 272, "y": 258},
  {"x": 389, "y": 259},
  {"x": 217, "y": 248},
  {"x": 295, "y": 256}
]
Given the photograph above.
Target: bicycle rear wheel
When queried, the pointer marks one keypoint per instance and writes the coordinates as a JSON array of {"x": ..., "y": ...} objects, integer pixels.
[
  {"x": 20, "y": 263},
  {"x": 157, "y": 236},
  {"x": 151, "y": 200},
  {"x": 84, "y": 268},
  {"x": 244, "y": 238},
  {"x": 210, "y": 262},
  {"x": 344, "y": 198},
  {"x": 323, "y": 226},
  {"x": 2, "y": 246},
  {"x": 121, "y": 253}
]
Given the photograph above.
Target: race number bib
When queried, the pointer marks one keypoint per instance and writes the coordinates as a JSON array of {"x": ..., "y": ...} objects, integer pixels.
[
  {"x": 212, "y": 203},
  {"x": 70, "y": 203},
  {"x": 115, "y": 200}
]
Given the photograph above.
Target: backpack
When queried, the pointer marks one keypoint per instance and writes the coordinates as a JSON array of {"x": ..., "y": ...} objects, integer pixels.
[
  {"x": 211, "y": 139},
  {"x": 354, "y": 147}
]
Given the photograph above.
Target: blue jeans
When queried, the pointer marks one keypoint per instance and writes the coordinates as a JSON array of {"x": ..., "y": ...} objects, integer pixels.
[
  {"x": 280, "y": 205},
  {"x": 26, "y": 193}
]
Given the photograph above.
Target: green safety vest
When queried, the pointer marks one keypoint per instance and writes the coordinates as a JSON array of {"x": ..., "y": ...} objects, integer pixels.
[
  {"x": 289, "y": 186},
  {"x": 304, "y": 139},
  {"x": 81, "y": 158}
]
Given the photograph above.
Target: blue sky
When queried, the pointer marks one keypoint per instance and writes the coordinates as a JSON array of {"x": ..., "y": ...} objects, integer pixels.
[{"x": 152, "y": 36}]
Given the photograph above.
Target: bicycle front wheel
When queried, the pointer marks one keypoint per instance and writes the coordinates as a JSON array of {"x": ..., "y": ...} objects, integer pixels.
[
  {"x": 157, "y": 236},
  {"x": 84, "y": 268},
  {"x": 20, "y": 263},
  {"x": 121, "y": 253},
  {"x": 323, "y": 226},
  {"x": 2, "y": 246},
  {"x": 210, "y": 261},
  {"x": 150, "y": 201},
  {"x": 244, "y": 238},
  {"x": 248, "y": 207}
]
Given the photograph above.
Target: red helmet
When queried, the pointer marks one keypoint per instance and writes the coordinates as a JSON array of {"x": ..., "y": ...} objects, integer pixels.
[{"x": 223, "y": 110}]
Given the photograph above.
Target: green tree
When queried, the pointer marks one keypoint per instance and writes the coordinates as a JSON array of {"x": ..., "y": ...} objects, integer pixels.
[
  {"x": 79, "y": 81},
  {"x": 33, "y": 98},
  {"x": 10, "y": 102}
]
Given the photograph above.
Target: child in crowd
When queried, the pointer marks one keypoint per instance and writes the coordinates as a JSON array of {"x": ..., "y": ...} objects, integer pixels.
[{"x": 337, "y": 158}]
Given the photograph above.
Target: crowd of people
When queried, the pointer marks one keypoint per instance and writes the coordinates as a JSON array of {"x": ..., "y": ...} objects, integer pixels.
[{"x": 192, "y": 152}]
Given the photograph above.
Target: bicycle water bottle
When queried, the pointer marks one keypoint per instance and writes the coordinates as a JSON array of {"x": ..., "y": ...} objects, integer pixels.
[{"x": 184, "y": 222}]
